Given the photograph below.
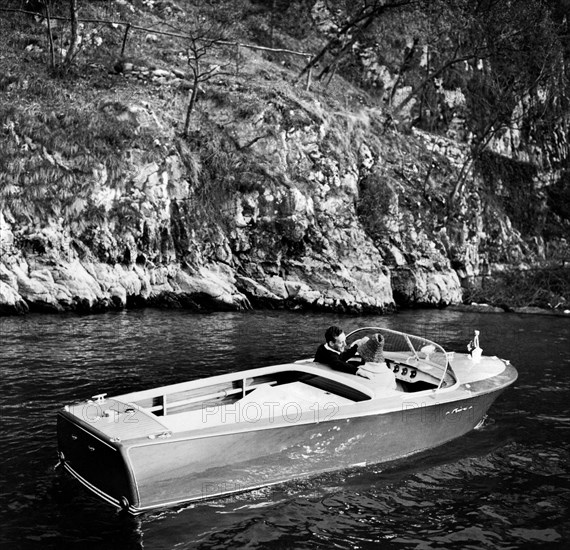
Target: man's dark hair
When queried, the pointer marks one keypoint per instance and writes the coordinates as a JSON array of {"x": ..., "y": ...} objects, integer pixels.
[{"x": 332, "y": 333}]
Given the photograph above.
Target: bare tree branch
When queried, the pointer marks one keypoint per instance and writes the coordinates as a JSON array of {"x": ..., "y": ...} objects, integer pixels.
[{"x": 361, "y": 20}]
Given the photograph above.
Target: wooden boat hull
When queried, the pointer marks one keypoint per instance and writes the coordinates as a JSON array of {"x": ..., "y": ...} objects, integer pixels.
[{"x": 187, "y": 466}]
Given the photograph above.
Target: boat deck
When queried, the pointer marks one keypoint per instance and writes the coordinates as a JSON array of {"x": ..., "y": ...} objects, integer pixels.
[
  {"x": 469, "y": 371},
  {"x": 267, "y": 402},
  {"x": 117, "y": 420}
]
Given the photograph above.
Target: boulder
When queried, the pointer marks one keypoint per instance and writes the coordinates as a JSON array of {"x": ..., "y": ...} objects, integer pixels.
[
  {"x": 256, "y": 292},
  {"x": 11, "y": 303}
]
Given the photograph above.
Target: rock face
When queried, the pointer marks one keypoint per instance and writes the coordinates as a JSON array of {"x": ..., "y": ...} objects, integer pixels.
[
  {"x": 412, "y": 287},
  {"x": 54, "y": 286},
  {"x": 289, "y": 232},
  {"x": 59, "y": 280},
  {"x": 274, "y": 256}
]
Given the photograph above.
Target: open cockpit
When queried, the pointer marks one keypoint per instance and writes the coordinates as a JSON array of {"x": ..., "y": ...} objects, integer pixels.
[
  {"x": 418, "y": 364},
  {"x": 260, "y": 395}
]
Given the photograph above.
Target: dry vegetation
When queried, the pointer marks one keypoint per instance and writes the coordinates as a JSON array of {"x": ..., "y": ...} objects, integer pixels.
[
  {"x": 545, "y": 288},
  {"x": 58, "y": 124}
]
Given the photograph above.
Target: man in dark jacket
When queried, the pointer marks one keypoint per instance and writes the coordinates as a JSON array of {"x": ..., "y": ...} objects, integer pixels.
[{"x": 334, "y": 353}]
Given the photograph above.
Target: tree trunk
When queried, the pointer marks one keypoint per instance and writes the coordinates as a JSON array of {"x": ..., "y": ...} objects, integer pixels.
[
  {"x": 74, "y": 42},
  {"x": 50, "y": 34},
  {"x": 191, "y": 106}
]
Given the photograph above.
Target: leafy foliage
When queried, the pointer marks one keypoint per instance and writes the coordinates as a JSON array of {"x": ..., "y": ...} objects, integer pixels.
[
  {"x": 545, "y": 287},
  {"x": 376, "y": 196},
  {"x": 558, "y": 197},
  {"x": 513, "y": 184},
  {"x": 507, "y": 59}
]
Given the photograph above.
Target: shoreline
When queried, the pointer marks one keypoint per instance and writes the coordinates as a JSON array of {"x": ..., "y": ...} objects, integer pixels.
[
  {"x": 523, "y": 310},
  {"x": 190, "y": 305}
]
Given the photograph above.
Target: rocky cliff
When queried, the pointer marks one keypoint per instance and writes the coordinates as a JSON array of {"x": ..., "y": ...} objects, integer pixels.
[
  {"x": 293, "y": 238},
  {"x": 278, "y": 197}
]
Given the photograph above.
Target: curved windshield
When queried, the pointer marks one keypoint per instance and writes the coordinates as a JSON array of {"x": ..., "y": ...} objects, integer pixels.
[{"x": 412, "y": 349}]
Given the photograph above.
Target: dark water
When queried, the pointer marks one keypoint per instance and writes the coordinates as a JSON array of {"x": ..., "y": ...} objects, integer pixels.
[{"x": 506, "y": 485}]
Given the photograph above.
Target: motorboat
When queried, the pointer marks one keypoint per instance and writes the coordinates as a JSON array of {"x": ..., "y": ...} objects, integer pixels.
[{"x": 239, "y": 431}]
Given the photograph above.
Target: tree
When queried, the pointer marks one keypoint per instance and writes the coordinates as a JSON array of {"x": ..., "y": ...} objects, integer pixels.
[
  {"x": 358, "y": 20},
  {"x": 203, "y": 36},
  {"x": 75, "y": 38},
  {"x": 521, "y": 83}
]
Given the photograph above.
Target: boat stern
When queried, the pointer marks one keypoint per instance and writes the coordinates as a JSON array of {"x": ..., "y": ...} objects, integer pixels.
[{"x": 95, "y": 461}]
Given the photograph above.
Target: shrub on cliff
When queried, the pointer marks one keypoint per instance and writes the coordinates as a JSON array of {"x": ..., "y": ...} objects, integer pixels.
[{"x": 546, "y": 287}]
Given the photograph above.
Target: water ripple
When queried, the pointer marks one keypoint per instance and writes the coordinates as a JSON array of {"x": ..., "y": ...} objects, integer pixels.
[{"x": 506, "y": 485}]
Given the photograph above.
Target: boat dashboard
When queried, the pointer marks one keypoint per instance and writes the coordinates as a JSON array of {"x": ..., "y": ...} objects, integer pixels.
[{"x": 411, "y": 376}]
